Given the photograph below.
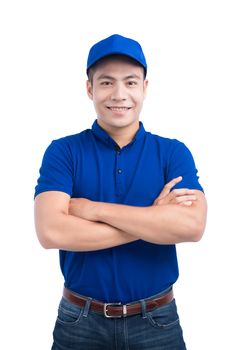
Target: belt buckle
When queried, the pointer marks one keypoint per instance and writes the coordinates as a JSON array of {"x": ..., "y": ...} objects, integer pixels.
[{"x": 105, "y": 310}]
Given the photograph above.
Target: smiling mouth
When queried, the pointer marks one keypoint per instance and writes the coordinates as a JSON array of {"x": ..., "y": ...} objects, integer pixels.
[{"x": 119, "y": 109}]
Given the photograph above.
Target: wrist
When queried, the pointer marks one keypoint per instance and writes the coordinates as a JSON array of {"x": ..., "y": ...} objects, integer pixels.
[{"x": 99, "y": 211}]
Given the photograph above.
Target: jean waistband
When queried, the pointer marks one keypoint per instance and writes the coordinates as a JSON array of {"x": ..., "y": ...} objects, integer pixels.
[{"x": 117, "y": 310}]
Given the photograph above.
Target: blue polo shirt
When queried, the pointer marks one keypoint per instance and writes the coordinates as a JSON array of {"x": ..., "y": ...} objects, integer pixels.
[{"x": 91, "y": 165}]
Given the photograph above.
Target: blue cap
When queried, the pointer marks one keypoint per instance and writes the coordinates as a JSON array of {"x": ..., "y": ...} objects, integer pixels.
[{"x": 116, "y": 45}]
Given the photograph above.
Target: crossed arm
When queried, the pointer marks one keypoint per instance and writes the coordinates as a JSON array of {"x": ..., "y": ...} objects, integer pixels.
[{"x": 79, "y": 224}]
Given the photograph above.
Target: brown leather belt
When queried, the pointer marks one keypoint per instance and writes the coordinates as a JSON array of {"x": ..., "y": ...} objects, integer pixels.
[{"x": 116, "y": 310}]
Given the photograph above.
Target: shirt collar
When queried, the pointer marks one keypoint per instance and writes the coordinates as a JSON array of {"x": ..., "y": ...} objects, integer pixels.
[{"x": 104, "y": 136}]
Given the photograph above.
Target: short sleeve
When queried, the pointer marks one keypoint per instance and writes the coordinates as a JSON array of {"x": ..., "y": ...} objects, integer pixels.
[
  {"x": 56, "y": 172},
  {"x": 181, "y": 163}
]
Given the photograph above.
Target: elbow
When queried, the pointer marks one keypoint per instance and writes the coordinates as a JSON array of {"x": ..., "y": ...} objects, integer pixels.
[
  {"x": 197, "y": 235},
  {"x": 199, "y": 221},
  {"x": 197, "y": 230},
  {"x": 45, "y": 238},
  {"x": 46, "y": 244}
]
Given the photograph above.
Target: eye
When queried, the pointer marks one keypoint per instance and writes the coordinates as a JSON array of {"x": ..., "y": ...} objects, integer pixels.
[
  {"x": 132, "y": 83},
  {"x": 105, "y": 83}
]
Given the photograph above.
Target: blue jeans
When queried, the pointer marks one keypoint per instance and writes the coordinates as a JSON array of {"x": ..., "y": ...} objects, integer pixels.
[{"x": 82, "y": 329}]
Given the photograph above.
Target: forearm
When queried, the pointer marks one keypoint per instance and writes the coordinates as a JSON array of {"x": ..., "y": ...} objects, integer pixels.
[
  {"x": 167, "y": 224},
  {"x": 70, "y": 233}
]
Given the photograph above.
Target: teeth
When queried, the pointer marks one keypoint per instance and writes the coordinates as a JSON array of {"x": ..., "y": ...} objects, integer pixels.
[{"x": 118, "y": 109}]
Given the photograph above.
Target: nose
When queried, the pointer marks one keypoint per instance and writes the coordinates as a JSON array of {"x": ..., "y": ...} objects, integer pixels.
[{"x": 118, "y": 93}]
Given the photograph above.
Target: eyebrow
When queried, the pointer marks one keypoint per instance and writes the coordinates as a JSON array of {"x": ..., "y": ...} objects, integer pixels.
[
  {"x": 132, "y": 76},
  {"x": 104, "y": 76},
  {"x": 109, "y": 77}
]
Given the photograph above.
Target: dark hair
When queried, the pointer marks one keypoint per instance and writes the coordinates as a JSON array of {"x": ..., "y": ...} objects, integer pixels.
[{"x": 92, "y": 69}]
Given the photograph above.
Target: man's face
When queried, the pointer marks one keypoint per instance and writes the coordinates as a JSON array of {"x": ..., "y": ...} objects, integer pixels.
[{"x": 118, "y": 90}]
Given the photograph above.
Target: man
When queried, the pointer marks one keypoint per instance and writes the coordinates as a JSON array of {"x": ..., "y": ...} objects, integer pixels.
[{"x": 115, "y": 200}]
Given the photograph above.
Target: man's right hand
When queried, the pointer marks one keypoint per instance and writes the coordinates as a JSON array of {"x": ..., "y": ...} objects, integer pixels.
[{"x": 182, "y": 196}]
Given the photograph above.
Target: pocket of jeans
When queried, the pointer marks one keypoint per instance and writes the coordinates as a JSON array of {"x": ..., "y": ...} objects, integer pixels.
[
  {"x": 69, "y": 314},
  {"x": 164, "y": 317}
]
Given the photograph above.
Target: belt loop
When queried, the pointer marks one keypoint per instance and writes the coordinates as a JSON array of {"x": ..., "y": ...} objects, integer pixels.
[
  {"x": 143, "y": 308},
  {"x": 87, "y": 307}
]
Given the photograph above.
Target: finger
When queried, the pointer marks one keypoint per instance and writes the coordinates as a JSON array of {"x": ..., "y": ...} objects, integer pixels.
[
  {"x": 181, "y": 192},
  {"x": 166, "y": 189},
  {"x": 187, "y": 203},
  {"x": 182, "y": 199},
  {"x": 178, "y": 196}
]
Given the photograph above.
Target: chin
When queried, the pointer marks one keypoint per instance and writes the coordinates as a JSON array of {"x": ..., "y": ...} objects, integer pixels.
[{"x": 120, "y": 123}]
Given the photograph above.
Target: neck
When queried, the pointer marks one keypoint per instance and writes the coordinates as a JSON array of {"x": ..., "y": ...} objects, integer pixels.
[{"x": 122, "y": 136}]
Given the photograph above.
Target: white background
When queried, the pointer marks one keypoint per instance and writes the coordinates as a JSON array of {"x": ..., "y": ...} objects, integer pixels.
[{"x": 190, "y": 53}]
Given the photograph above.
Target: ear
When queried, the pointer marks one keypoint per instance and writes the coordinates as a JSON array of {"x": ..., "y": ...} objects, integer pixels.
[
  {"x": 89, "y": 89},
  {"x": 145, "y": 86}
]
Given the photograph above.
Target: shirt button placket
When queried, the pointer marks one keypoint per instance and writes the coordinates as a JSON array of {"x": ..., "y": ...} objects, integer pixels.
[{"x": 119, "y": 172}]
